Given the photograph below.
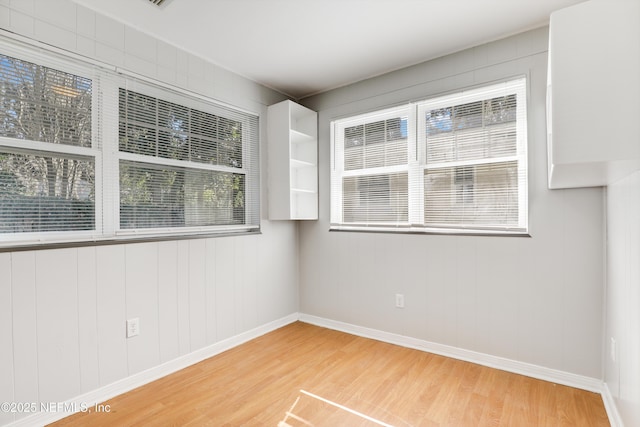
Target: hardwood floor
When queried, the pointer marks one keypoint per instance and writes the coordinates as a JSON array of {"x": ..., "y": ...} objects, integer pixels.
[{"x": 256, "y": 383}]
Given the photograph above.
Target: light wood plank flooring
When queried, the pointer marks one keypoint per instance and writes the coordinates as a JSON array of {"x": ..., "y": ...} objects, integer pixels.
[{"x": 256, "y": 383}]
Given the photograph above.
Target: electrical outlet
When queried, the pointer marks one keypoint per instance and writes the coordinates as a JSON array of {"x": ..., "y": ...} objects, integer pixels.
[
  {"x": 399, "y": 301},
  {"x": 133, "y": 327}
]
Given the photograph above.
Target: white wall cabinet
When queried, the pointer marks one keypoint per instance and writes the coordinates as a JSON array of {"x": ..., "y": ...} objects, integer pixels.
[
  {"x": 593, "y": 96},
  {"x": 292, "y": 132}
]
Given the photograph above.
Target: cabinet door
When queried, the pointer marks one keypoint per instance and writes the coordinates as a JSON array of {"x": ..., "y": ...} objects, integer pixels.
[{"x": 594, "y": 92}]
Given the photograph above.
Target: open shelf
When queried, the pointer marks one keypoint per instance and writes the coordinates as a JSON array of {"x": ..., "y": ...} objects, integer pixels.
[
  {"x": 302, "y": 190},
  {"x": 301, "y": 138},
  {"x": 293, "y": 162},
  {"x": 301, "y": 164}
]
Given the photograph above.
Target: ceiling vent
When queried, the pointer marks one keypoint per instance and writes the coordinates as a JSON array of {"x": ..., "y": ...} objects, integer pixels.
[{"x": 158, "y": 2}]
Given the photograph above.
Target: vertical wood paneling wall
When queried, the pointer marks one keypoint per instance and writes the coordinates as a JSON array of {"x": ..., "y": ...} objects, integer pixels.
[
  {"x": 537, "y": 300},
  {"x": 622, "y": 375},
  {"x": 63, "y": 311}
]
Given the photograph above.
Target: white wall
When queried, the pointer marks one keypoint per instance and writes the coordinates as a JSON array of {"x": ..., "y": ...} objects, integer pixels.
[
  {"x": 537, "y": 300},
  {"x": 63, "y": 311},
  {"x": 622, "y": 376}
]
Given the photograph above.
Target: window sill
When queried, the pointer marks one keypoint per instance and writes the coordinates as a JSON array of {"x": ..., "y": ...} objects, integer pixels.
[
  {"x": 21, "y": 246},
  {"x": 431, "y": 231}
]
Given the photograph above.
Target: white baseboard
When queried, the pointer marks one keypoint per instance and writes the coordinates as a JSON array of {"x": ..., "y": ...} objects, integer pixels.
[
  {"x": 534, "y": 371},
  {"x": 610, "y": 406},
  {"x": 127, "y": 384},
  {"x": 530, "y": 370},
  {"x": 88, "y": 400}
]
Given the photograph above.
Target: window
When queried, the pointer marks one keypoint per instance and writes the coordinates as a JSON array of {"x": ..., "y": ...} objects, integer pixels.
[
  {"x": 455, "y": 163},
  {"x": 183, "y": 167},
  {"x": 90, "y": 154},
  {"x": 373, "y": 188},
  {"x": 47, "y": 154}
]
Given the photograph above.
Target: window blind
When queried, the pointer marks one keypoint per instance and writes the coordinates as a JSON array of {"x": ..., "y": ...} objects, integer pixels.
[
  {"x": 88, "y": 153},
  {"x": 47, "y": 159},
  {"x": 183, "y": 164},
  {"x": 475, "y": 168},
  {"x": 464, "y": 167},
  {"x": 370, "y": 170}
]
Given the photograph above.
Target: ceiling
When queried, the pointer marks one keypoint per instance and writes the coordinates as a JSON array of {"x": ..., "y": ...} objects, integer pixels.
[{"x": 304, "y": 47}]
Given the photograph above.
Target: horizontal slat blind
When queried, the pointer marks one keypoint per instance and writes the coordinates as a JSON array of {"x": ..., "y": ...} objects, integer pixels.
[
  {"x": 371, "y": 155},
  {"x": 153, "y": 196},
  {"x": 41, "y": 191},
  {"x": 188, "y": 164},
  {"x": 378, "y": 144},
  {"x": 44, "y": 104},
  {"x": 88, "y": 153},
  {"x": 376, "y": 199},
  {"x": 473, "y": 196},
  {"x": 456, "y": 162},
  {"x": 475, "y": 165}
]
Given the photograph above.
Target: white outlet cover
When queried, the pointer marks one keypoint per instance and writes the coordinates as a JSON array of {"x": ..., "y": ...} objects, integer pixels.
[{"x": 133, "y": 327}]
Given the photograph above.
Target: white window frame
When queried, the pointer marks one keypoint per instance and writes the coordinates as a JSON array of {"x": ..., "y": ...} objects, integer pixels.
[
  {"x": 417, "y": 163},
  {"x": 337, "y": 158},
  {"x": 47, "y": 149},
  {"x": 190, "y": 102},
  {"x": 106, "y": 81}
]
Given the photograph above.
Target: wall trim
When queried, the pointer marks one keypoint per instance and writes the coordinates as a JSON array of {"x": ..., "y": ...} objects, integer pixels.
[
  {"x": 509, "y": 365},
  {"x": 610, "y": 406},
  {"x": 124, "y": 385},
  {"x": 141, "y": 378}
]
